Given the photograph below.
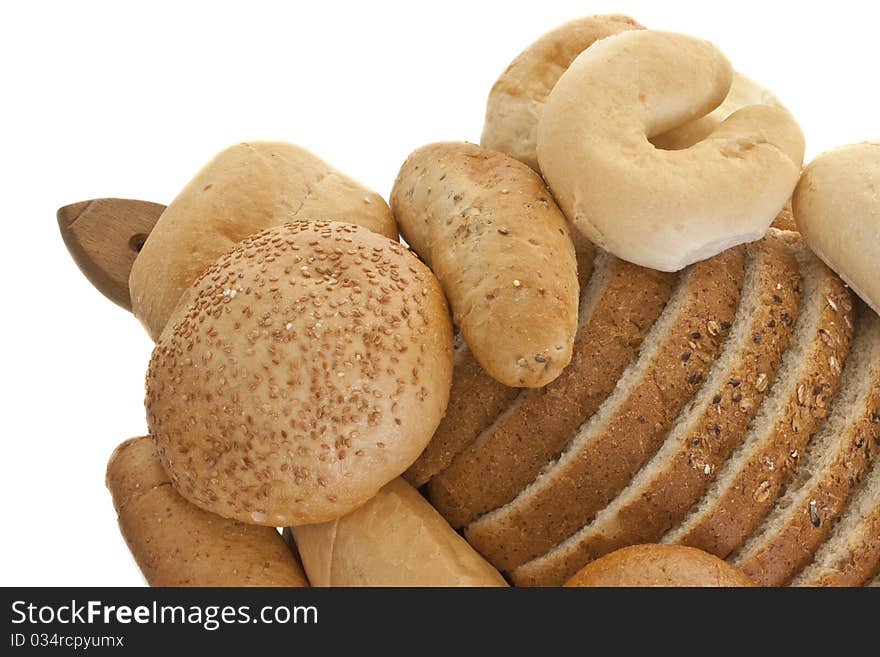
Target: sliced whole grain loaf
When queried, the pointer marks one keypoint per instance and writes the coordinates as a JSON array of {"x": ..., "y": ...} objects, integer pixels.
[
  {"x": 710, "y": 425},
  {"x": 833, "y": 464},
  {"x": 852, "y": 552},
  {"x": 747, "y": 485},
  {"x": 610, "y": 447},
  {"x": 618, "y": 306},
  {"x": 476, "y": 399}
]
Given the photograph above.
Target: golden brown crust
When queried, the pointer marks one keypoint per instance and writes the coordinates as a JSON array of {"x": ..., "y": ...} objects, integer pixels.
[
  {"x": 310, "y": 369},
  {"x": 739, "y": 508},
  {"x": 490, "y": 230},
  {"x": 177, "y": 544},
  {"x": 716, "y": 419},
  {"x": 517, "y": 98},
  {"x": 243, "y": 190},
  {"x": 512, "y": 451},
  {"x": 394, "y": 539},
  {"x": 659, "y": 565}
]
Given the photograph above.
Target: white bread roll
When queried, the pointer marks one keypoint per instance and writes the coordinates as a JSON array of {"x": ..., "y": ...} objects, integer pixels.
[
  {"x": 243, "y": 190},
  {"x": 395, "y": 539},
  {"x": 837, "y": 209},
  {"x": 656, "y": 208}
]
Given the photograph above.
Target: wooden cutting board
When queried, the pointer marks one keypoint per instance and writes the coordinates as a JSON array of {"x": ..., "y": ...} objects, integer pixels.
[{"x": 104, "y": 236}]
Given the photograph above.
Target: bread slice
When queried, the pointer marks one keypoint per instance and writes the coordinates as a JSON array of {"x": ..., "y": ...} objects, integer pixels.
[
  {"x": 834, "y": 462},
  {"x": 748, "y": 484},
  {"x": 613, "y": 444},
  {"x": 618, "y": 306},
  {"x": 476, "y": 399},
  {"x": 714, "y": 421},
  {"x": 852, "y": 552}
]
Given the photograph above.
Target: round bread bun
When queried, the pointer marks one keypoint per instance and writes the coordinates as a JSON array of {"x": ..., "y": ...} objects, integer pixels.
[
  {"x": 837, "y": 209},
  {"x": 659, "y": 208},
  {"x": 304, "y": 370},
  {"x": 659, "y": 565}
]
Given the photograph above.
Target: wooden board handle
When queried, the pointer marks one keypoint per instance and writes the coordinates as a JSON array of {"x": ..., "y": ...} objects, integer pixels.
[{"x": 104, "y": 236}]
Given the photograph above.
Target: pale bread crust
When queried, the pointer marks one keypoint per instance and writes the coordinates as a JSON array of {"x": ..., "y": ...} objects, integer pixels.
[
  {"x": 659, "y": 565},
  {"x": 517, "y": 98},
  {"x": 242, "y": 190},
  {"x": 394, "y": 539},
  {"x": 694, "y": 203},
  {"x": 837, "y": 209},
  {"x": 177, "y": 544},
  {"x": 310, "y": 368},
  {"x": 507, "y": 456}
]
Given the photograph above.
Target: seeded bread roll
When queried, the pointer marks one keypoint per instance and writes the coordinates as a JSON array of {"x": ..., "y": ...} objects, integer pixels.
[
  {"x": 659, "y": 565},
  {"x": 395, "y": 539},
  {"x": 244, "y": 189},
  {"x": 305, "y": 369},
  {"x": 837, "y": 209},
  {"x": 177, "y": 544},
  {"x": 490, "y": 230}
]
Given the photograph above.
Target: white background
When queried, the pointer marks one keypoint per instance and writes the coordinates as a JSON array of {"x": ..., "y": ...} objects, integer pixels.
[{"x": 111, "y": 99}]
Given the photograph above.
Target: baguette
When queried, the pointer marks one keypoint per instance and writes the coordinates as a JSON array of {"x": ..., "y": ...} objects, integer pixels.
[
  {"x": 395, "y": 539},
  {"x": 177, "y": 544},
  {"x": 243, "y": 190},
  {"x": 489, "y": 228}
]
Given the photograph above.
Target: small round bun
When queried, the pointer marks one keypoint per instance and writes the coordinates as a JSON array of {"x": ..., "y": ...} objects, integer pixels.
[
  {"x": 658, "y": 208},
  {"x": 306, "y": 368},
  {"x": 837, "y": 209},
  {"x": 659, "y": 565}
]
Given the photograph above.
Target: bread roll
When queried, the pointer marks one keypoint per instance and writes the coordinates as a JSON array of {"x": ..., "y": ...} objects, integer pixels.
[
  {"x": 489, "y": 229},
  {"x": 177, "y": 544},
  {"x": 837, "y": 209},
  {"x": 244, "y": 189},
  {"x": 517, "y": 98},
  {"x": 307, "y": 368},
  {"x": 395, "y": 539},
  {"x": 659, "y": 565},
  {"x": 594, "y": 152}
]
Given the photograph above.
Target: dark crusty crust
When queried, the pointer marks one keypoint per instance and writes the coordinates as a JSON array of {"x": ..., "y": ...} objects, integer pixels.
[
  {"x": 511, "y": 452},
  {"x": 597, "y": 466},
  {"x": 716, "y": 420},
  {"x": 737, "y": 509}
]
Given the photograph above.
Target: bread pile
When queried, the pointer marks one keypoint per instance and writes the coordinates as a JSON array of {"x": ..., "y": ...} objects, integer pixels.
[{"x": 598, "y": 360}]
